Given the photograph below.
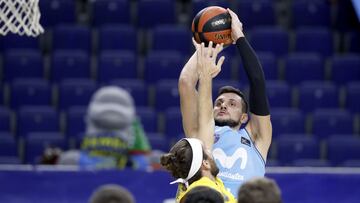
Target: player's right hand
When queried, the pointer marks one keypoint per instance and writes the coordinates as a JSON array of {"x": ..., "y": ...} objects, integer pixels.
[{"x": 206, "y": 59}]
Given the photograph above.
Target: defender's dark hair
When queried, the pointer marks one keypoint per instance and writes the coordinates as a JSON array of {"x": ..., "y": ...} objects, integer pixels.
[
  {"x": 231, "y": 89},
  {"x": 178, "y": 161}
]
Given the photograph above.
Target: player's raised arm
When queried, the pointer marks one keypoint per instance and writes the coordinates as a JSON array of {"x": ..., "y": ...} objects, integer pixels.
[
  {"x": 259, "y": 125},
  {"x": 189, "y": 97},
  {"x": 207, "y": 69},
  {"x": 211, "y": 23}
]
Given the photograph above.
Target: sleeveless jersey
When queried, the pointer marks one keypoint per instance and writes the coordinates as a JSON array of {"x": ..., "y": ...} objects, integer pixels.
[
  {"x": 217, "y": 185},
  {"x": 236, "y": 157}
]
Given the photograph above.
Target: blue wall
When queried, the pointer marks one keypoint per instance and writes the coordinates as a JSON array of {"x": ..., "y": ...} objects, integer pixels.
[{"x": 39, "y": 186}]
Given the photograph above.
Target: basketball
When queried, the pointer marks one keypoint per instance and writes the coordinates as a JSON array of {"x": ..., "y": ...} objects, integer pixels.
[{"x": 213, "y": 23}]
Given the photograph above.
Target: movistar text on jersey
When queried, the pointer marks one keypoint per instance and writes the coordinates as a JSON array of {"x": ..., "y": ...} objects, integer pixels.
[{"x": 234, "y": 176}]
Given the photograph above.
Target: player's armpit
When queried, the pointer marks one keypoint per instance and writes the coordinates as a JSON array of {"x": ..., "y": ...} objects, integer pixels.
[{"x": 260, "y": 129}]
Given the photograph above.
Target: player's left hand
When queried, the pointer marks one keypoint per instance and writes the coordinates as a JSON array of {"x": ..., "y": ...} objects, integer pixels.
[{"x": 236, "y": 26}]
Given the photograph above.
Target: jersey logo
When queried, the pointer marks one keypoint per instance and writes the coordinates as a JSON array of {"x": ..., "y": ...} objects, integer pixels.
[
  {"x": 216, "y": 138},
  {"x": 229, "y": 161},
  {"x": 245, "y": 141}
]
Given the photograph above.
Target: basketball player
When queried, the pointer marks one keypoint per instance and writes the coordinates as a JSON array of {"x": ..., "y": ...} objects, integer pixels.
[
  {"x": 259, "y": 190},
  {"x": 193, "y": 166},
  {"x": 240, "y": 153},
  {"x": 188, "y": 160}
]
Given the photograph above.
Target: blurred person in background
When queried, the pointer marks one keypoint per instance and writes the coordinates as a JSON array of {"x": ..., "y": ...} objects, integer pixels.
[
  {"x": 202, "y": 194},
  {"x": 114, "y": 137},
  {"x": 259, "y": 190},
  {"x": 111, "y": 193},
  {"x": 112, "y": 128}
]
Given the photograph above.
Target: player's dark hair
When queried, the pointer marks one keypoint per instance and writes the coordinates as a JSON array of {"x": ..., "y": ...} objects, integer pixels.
[{"x": 178, "y": 161}]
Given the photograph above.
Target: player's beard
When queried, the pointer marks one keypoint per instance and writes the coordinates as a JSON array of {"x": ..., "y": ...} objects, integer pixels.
[
  {"x": 214, "y": 169},
  {"x": 229, "y": 122}
]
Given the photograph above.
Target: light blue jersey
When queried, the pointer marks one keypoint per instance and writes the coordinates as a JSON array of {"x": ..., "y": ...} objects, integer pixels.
[{"x": 237, "y": 157}]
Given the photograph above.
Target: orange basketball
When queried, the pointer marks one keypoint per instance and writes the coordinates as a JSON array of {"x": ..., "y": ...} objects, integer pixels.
[{"x": 213, "y": 23}]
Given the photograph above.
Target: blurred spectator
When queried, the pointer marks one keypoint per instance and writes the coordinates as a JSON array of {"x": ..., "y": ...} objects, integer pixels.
[
  {"x": 204, "y": 195},
  {"x": 259, "y": 190},
  {"x": 50, "y": 155},
  {"x": 114, "y": 137},
  {"x": 111, "y": 194}
]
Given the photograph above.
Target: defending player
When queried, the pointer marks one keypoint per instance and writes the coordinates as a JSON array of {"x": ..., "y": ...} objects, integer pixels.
[{"x": 188, "y": 160}]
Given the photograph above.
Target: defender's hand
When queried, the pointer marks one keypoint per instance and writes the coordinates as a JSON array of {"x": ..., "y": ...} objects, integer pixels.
[{"x": 206, "y": 59}]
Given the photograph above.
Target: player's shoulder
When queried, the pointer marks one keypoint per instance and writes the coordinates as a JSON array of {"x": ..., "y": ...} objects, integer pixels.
[
  {"x": 219, "y": 181},
  {"x": 180, "y": 193}
]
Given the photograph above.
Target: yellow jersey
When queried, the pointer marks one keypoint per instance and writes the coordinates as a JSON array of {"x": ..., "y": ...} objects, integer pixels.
[{"x": 217, "y": 185}]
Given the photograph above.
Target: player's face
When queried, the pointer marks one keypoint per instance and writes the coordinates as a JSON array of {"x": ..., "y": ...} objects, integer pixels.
[{"x": 228, "y": 110}]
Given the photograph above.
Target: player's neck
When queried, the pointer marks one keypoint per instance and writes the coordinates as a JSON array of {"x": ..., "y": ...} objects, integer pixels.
[
  {"x": 208, "y": 175},
  {"x": 236, "y": 128}
]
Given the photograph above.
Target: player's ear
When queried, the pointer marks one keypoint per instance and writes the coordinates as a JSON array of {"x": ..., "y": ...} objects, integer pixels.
[
  {"x": 244, "y": 118},
  {"x": 206, "y": 164}
]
